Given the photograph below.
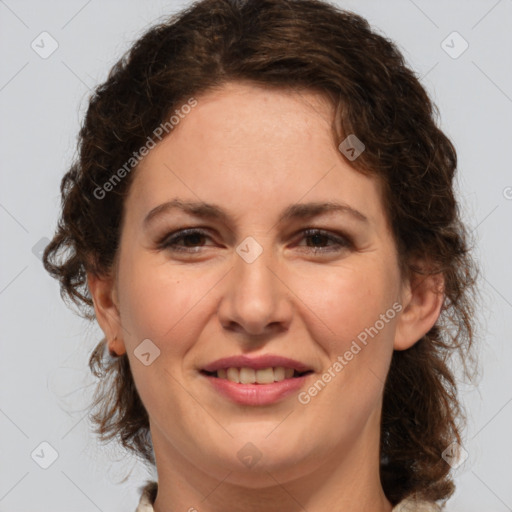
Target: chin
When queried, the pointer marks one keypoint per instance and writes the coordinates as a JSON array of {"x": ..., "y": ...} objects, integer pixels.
[
  {"x": 258, "y": 464},
  {"x": 265, "y": 472}
]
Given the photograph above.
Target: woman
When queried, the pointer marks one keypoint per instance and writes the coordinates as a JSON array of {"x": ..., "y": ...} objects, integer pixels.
[{"x": 262, "y": 221}]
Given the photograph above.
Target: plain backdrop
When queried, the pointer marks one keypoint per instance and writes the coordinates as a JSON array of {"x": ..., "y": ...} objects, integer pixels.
[{"x": 44, "y": 380}]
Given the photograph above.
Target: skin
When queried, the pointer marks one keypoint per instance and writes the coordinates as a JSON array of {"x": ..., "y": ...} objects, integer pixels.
[{"x": 244, "y": 146}]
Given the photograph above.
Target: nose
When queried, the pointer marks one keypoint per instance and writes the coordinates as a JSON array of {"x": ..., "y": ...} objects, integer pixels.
[{"x": 256, "y": 300}]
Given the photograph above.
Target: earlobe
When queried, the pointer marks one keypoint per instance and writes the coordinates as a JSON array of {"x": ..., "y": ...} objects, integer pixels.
[
  {"x": 422, "y": 303},
  {"x": 103, "y": 294}
]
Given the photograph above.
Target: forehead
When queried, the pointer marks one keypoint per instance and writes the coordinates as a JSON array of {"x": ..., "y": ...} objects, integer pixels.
[
  {"x": 239, "y": 120},
  {"x": 243, "y": 144}
]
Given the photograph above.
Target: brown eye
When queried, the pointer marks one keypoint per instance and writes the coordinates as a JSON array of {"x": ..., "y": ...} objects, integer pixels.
[
  {"x": 191, "y": 239},
  {"x": 319, "y": 238}
]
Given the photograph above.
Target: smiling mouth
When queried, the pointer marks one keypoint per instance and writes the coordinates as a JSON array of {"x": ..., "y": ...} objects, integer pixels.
[{"x": 251, "y": 376}]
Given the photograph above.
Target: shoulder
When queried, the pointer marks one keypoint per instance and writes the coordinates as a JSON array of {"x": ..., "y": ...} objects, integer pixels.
[
  {"x": 149, "y": 490},
  {"x": 413, "y": 505},
  {"x": 147, "y": 498}
]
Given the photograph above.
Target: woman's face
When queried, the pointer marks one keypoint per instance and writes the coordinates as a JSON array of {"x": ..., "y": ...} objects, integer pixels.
[{"x": 253, "y": 284}]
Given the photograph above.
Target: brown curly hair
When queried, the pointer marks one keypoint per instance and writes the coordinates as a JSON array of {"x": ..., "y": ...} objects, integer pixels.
[{"x": 298, "y": 45}]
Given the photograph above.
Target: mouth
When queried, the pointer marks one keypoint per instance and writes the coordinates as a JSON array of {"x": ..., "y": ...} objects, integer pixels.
[
  {"x": 263, "y": 376},
  {"x": 256, "y": 381}
]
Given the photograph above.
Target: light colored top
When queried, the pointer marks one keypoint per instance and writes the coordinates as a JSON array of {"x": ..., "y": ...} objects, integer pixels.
[{"x": 407, "y": 505}]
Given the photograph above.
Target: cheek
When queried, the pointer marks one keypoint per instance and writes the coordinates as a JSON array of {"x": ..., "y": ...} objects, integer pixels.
[
  {"x": 346, "y": 301},
  {"x": 158, "y": 303}
]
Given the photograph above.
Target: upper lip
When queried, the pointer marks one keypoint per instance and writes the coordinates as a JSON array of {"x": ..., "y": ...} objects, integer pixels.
[{"x": 257, "y": 363}]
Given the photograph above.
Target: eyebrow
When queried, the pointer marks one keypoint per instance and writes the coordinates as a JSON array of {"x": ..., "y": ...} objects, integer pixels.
[{"x": 212, "y": 211}]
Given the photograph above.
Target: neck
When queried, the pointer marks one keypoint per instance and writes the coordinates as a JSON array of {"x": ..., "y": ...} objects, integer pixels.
[{"x": 347, "y": 480}]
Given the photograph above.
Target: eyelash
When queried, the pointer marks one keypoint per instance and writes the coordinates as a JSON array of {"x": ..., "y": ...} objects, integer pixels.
[{"x": 169, "y": 240}]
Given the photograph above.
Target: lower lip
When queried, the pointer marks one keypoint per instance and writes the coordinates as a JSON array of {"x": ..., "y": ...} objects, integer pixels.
[{"x": 257, "y": 394}]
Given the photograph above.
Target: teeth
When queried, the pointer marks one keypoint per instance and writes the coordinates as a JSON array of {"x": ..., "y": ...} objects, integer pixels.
[
  {"x": 280, "y": 373},
  {"x": 247, "y": 376},
  {"x": 251, "y": 376},
  {"x": 267, "y": 376},
  {"x": 233, "y": 375}
]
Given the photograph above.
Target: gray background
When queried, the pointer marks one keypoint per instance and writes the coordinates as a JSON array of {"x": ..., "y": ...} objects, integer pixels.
[{"x": 44, "y": 381}]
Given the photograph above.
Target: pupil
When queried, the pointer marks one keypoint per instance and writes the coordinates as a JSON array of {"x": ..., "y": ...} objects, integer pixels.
[
  {"x": 193, "y": 236},
  {"x": 316, "y": 237}
]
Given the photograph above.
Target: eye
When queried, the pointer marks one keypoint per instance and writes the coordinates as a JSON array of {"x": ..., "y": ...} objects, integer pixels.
[
  {"x": 319, "y": 237},
  {"x": 191, "y": 238}
]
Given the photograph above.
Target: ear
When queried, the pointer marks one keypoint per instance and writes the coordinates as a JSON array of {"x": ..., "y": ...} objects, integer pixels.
[
  {"x": 422, "y": 300},
  {"x": 105, "y": 301}
]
